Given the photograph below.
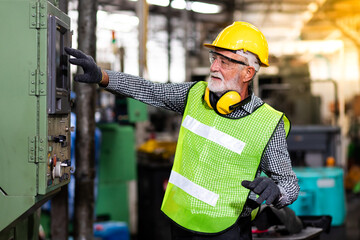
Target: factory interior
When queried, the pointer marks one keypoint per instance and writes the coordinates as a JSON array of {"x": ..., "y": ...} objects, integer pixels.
[{"x": 109, "y": 157}]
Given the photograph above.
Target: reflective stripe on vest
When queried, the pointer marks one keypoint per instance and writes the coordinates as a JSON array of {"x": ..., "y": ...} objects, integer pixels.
[
  {"x": 193, "y": 189},
  {"x": 214, "y": 155},
  {"x": 213, "y": 134}
]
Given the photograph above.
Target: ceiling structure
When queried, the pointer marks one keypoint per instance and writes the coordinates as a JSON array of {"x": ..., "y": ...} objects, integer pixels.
[
  {"x": 332, "y": 18},
  {"x": 279, "y": 20},
  {"x": 286, "y": 20},
  {"x": 285, "y": 23}
]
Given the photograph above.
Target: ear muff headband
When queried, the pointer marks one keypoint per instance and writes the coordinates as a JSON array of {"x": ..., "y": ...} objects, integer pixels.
[
  {"x": 225, "y": 104},
  {"x": 207, "y": 97}
]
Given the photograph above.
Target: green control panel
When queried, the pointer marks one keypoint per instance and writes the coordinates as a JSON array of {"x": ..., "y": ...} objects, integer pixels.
[{"x": 35, "y": 106}]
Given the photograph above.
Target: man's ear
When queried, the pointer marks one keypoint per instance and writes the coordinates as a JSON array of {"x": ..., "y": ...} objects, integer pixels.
[{"x": 250, "y": 72}]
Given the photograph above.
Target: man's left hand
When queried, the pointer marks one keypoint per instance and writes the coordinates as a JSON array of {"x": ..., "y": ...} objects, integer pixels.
[{"x": 265, "y": 188}]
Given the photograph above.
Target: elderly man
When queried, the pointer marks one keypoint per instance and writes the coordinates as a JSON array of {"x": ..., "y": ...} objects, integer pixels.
[{"x": 228, "y": 136}]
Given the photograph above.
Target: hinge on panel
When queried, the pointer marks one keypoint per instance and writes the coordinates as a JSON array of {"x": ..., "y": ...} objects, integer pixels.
[
  {"x": 37, "y": 83},
  {"x": 37, "y": 149},
  {"x": 32, "y": 149},
  {"x": 33, "y": 83},
  {"x": 37, "y": 15},
  {"x": 41, "y": 145},
  {"x": 40, "y": 88}
]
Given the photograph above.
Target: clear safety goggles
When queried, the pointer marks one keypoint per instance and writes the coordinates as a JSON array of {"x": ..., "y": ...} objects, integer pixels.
[{"x": 224, "y": 61}]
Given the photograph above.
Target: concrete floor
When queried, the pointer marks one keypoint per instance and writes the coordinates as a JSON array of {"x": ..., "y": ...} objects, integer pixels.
[
  {"x": 353, "y": 217},
  {"x": 351, "y": 228}
]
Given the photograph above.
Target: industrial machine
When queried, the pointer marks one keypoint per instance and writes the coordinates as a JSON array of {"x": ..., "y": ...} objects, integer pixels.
[
  {"x": 315, "y": 152},
  {"x": 314, "y": 148},
  {"x": 117, "y": 165},
  {"x": 35, "y": 111}
]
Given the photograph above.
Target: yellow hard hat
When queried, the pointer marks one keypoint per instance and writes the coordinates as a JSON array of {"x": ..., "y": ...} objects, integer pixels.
[{"x": 245, "y": 36}]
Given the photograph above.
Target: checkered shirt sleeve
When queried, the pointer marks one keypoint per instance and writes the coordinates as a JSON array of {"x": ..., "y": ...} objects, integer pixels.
[
  {"x": 275, "y": 162},
  {"x": 170, "y": 96}
]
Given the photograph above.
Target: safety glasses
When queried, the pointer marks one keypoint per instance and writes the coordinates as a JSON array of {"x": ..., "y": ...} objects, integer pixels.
[{"x": 225, "y": 62}]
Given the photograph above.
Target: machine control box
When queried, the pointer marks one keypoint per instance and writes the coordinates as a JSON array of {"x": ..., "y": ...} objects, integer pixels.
[{"x": 35, "y": 106}]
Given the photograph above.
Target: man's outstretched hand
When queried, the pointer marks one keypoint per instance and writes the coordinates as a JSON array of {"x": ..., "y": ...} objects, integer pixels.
[
  {"x": 92, "y": 73},
  {"x": 265, "y": 188}
]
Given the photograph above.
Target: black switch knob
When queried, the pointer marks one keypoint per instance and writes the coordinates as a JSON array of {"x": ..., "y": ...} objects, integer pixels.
[{"x": 60, "y": 139}]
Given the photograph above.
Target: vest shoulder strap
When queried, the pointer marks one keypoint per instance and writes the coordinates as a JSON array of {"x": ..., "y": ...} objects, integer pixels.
[
  {"x": 201, "y": 85},
  {"x": 287, "y": 123}
]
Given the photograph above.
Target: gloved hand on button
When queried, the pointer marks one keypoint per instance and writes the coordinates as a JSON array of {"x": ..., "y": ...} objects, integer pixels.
[{"x": 92, "y": 73}]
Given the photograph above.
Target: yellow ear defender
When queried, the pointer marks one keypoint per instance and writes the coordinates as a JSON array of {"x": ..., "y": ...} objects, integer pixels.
[{"x": 224, "y": 104}]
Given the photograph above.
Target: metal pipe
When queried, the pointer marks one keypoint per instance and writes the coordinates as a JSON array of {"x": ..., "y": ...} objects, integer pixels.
[
  {"x": 336, "y": 97},
  {"x": 169, "y": 32},
  {"x": 185, "y": 23},
  {"x": 85, "y": 128},
  {"x": 142, "y": 12}
]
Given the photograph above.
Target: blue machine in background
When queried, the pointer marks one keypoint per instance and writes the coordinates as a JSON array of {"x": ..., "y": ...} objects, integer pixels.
[
  {"x": 111, "y": 230},
  {"x": 321, "y": 188},
  {"x": 321, "y": 193}
]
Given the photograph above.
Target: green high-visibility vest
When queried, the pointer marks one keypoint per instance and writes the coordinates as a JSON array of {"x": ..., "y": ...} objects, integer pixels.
[{"x": 214, "y": 155}]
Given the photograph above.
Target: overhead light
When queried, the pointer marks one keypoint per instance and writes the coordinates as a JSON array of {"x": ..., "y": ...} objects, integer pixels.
[
  {"x": 207, "y": 8},
  {"x": 118, "y": 21},
  {"x": 307, "y": 16},
  {"x": 312, "y": 7},
  {"x": 162, "y": 3},
  {"x": 200, "y": 7},
  {"x": 178, "y": 4}
]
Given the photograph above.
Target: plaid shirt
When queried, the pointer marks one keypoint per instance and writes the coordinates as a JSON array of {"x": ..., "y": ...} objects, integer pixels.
[{"x": 275, "y": 162}]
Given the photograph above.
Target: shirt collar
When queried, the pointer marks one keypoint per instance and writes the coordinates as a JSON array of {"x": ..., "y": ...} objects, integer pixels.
[
  {"x": 253, "y": 104},
  {"x": 248, "y": 108}
]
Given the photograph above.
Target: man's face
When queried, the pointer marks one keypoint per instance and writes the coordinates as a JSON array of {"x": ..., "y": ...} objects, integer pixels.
[{"x": 226, "y": 75}]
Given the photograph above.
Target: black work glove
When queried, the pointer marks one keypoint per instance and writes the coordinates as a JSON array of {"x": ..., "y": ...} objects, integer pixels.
[
  {"x": 92, "y": 73},
  {"x": 265, "y": 188}
]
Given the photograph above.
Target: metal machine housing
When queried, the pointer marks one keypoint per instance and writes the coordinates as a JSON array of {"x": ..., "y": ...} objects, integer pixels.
[{"x": 35, "y": 106}]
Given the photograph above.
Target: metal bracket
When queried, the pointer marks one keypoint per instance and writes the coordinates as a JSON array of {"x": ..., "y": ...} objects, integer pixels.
[
  {"x": 41, "y": 90},
  {"x": 37, "y": 83},
  {"x": 32, "y": 83},
  {"x": 37, "y": 149},
  {"x": 41, "y": 150},
  {"x": 37, "y": 15},
  {"x": 32, "y": 149}
]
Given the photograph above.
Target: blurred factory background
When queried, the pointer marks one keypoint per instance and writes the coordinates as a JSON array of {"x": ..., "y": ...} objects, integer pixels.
[{"x": 314, "y": 77}]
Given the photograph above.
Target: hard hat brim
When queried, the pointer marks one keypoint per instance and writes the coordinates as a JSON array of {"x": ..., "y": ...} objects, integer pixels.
[{"x": 209, "y": 45}]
